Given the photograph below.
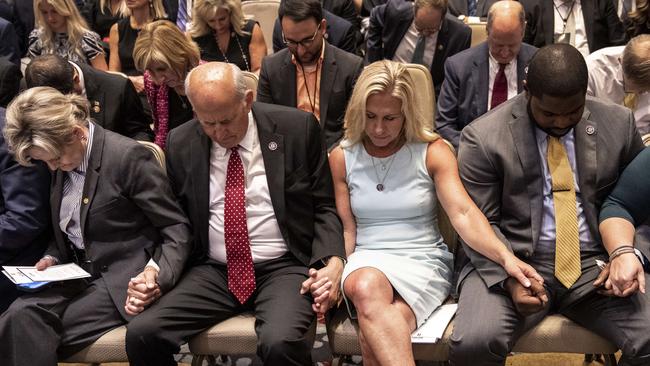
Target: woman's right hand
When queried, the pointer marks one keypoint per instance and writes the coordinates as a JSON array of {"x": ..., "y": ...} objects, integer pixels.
[{"x": 520, "y": 270}]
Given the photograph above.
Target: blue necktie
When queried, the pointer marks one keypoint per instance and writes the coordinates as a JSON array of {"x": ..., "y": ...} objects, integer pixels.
[
  {"x": 181, "y": 19},
  {"x": 471, "y": 7},
  {"x": 418, "y": 52}
]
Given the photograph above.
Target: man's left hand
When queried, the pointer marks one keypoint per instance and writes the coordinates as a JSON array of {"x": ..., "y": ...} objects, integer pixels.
[
  {"x": 324, "y": 285},
  {"x": 142, "y": 291}
]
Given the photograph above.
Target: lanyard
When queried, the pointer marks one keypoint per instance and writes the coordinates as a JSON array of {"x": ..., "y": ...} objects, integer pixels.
[{"x": 565, "y": 19}]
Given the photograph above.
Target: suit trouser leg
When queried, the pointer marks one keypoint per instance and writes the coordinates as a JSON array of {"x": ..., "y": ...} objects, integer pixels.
[
  {"x": 623, "y": 321},
  {"x": 72, "y": 313},
  {"x": 486, "y": 326}
]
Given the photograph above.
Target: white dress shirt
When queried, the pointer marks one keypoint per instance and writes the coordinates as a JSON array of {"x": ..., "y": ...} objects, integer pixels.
[
  {"x": 511, "y": 77},
  {"x": 576, "y": 12},
  {"x": 404, "y": 51},
  {"x": 263, "y": 230}
]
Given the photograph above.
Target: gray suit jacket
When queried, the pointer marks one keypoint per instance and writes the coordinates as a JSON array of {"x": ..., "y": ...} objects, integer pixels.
[
  {"x": 128, "y": 214},
  {"x": 339, "y": 74},
  {"x": 500, "y": 168},
  {"x": 464, "y": 93}
]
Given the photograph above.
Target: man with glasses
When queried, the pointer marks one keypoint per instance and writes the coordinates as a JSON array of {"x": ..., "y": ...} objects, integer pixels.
[
  {"x": 621, "y": 75},
  {"x": 310, "y": 74},
  {"x": 419, "y": 32}
]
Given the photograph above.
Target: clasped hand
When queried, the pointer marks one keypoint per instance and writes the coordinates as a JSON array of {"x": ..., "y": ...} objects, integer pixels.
[
  {"x": 622, "y": 277},
  {"x": 142, "y": 291},
  {"x": 324, "y": 285}
]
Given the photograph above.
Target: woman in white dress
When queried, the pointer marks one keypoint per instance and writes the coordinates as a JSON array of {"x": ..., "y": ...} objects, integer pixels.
[{"x": 388, "y": 173}]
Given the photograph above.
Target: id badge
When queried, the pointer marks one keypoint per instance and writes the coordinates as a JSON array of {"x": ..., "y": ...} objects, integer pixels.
[{"x": 562, "y": 38}]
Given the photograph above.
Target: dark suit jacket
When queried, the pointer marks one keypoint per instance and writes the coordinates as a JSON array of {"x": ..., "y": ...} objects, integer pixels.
[
  {"x": 500, "y": 167},
  {"x": 459, "y": 7},
  {"x": 344, "y": 9},
  {"x": 340, "y": 33},
  {"x": 130, "y": 214},
  {"x": 298, "y": 175},
  {"x": 390, "y": 22},
  {"x": 171, "y": 8},
  {"x": 602, "y": 25},
  {"x": 115, "y": 105},
  {"x": 9, "y": 45},
  {"x": 23, "y": 22},
  {"x": 10, "y": 77},
  {"x": 464, "y": 94},
  {"x": 339, "y": 74}
]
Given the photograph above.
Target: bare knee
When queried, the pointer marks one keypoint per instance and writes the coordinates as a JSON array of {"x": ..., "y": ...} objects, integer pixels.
[{"x": 367, "y": 288}]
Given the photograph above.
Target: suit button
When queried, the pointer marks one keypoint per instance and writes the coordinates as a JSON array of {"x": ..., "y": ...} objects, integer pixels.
[
  {"x": 104, "y": 269},
  {"x": 527, "y": 254}
]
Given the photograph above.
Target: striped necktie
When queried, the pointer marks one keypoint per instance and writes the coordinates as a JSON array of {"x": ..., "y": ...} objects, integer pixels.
[{"x": 181, "y": 19}]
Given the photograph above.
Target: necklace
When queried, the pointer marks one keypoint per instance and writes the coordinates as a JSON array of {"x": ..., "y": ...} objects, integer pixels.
[
  {"x": 241, "y": 49},
  {"x": 380, "y": 185}
]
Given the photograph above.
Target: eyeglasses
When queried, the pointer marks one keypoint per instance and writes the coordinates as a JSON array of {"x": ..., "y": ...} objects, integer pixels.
[{"x": 305, "y": 42}]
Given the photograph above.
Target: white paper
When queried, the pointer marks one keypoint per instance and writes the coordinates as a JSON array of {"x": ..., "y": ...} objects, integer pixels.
[
  {"x": 433, "y": 329},
  {"x": 62, "y": 272}
]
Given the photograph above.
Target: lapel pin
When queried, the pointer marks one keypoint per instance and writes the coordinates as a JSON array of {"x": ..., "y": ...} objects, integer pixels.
[
  {"x": 440, "y": 47},
  {"x": 96, "y": 107},
  {"x": 273, "y": 145},
  {"x": 590, "y": 130},
  {"x": 86, "y": 200}
]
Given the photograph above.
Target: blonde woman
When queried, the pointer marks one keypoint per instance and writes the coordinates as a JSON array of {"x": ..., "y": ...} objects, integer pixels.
[
  {"x": 102, "y": 14},
  {"x": 165, "y": 55},
  {"x": 60, "y": 29},
  {"x": 388, "y": 173},
  {"x": 124, "y": 34},
  {"x": 222, "y": 33}
]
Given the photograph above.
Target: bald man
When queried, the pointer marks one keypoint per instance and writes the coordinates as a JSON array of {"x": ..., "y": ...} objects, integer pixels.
[
  {"x": 472, "y": 76},
  {"x": 255, "y": 182}
]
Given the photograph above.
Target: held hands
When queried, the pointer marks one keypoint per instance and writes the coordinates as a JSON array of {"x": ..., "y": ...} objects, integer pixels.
[
  {"x": 142, "y": 291},
  {"x": 324, "y": 285},
  {"x": 527, "y": 300},
  {"x": 622, "y": 277},
  {"x": 520, "y": 270}
]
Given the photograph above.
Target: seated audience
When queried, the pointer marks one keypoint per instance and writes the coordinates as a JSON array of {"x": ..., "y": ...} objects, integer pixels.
[
  {"x": 339, "y": 33},
  {"x": 388, "y": 173},
  {"x": 588, "y": 25},
  {"x": 538, "y": 167},
  {"x": 24, "y": 215},
  {"x": 9, "y": 46},
  {"x": 113, "y": 214},
  {"x": 621, "y": 75},
  {"x": 419, "y": 32},
  {"x": 102, "y": 14},
  {"x": 222, "y": 33},
  {"x": 482, "y": 77},
  {"x": 124, "y": 33},
  {"x": 114, "y": 104},
  {"x": 310, "y": 74},
  {"x": 472, "y": 8},
  {"x": 10, "y": 77},
  {"x": 255, "y": 181},
  {"x": 344, "y": 9},
  {"x": 165, "y": 55},
  {"x": 61, "y": 30},
  {"x": 638, "y": 21}
]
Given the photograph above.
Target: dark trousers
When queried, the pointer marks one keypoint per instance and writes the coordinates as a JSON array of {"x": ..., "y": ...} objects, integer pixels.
[
  {"x": 201, "y": 299},
  {"x": 66, "y": 317},
  {"x": 487, "y": 325}
]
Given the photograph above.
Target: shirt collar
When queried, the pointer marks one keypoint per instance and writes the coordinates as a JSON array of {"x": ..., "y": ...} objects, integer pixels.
[{"x": 89, "y": 146}]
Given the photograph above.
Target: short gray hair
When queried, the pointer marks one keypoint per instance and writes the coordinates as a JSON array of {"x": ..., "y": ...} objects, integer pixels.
[{"x": 240, "y": 83}]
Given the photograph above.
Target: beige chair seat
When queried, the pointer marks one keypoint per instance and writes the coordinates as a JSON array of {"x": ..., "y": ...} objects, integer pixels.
[{"x": 108, "y": 348}]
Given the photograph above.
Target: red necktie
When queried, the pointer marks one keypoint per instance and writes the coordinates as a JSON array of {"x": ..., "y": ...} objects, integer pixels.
[
  {"x": 241, "y": 275},
  {"x": 500, "y": 87}
]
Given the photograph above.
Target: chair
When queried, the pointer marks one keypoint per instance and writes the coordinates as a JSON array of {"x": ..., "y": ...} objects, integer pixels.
[
  {"x": 111, "y": 347},
  {"x": 479, "y": 32},
  {"x": 265, "y": 12},
  {"x": 425, "y": 98},
  {"x": 251, "y": 82},
  {"x": 646, "y": 139}
]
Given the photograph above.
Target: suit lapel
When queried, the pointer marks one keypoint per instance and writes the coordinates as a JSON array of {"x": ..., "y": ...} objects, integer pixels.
[
  {"x": 441, "y": 45},
  {"x": 200, "y": 173},
  {"x": 586, "y": 164},
  {"x": 521, "y": 70},
  {"x": 288, "y": 73},
  {"x": 92, "y": 175},
  {"x": 328, "y": 74},
  {"x": 522, "y": 130},
  {"x": 548, "y": 21},
  {"x": 587, "y": 16},
  {"x": 402, "y": 26},
  {"x": 481, "y": 75},
  {"x": 55, "y": 209},
  {"x": 272, "y": 146}
]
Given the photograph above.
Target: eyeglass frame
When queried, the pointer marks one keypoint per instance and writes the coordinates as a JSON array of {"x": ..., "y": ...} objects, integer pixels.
[{"x": 306, "y": 42}]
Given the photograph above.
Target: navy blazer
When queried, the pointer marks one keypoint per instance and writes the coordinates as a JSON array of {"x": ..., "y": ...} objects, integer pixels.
[
  {"x": 390, "y": 22},
  {"x": 459, "y": 7},
  {"x": 464, "y": 94},
  {"x": 340, "y": 33},
  {"x": 9, "y": 46}
]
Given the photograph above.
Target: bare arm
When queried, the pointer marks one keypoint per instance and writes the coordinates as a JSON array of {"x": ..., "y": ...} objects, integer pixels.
[
  {"x": 342, "y": 197},
  {"x": 113, "y": 42},
  {"x": 99, "y": 62},
  {"x": 257, "y": 49}
]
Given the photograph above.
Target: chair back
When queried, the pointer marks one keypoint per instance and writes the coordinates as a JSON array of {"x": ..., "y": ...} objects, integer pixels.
[
  {"x": 251, "y": 82},
  {"x": 646, "y": 139},
  {"x": 425, "y": 98},
  {"x": 479, "y": 32},
  {"x": 157, "y": 153},
  {"x": 264, "y": 12}
]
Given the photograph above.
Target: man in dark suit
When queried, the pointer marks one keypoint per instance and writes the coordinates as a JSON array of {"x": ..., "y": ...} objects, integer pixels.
[
  {"x": 9, "y": 45},
  {"x": 10, "y": 77},
  {"x": 310, "y": 74},
  {"x": 114, "y": 103},
  {"x": 482, "y": 77},
  {"x": 539, "y": 167},
  {"x": 479, "y": 8},
  {"x": 24, "y": 215},
  {"x": 596, "y": 24},
  {"x": 398, "y": 27},
  {"x": 255, "y": 183},
  {"x": 114, "y": 213},
  {"x": 339, "y": 32},
  {"x": 23, "y": 20}
]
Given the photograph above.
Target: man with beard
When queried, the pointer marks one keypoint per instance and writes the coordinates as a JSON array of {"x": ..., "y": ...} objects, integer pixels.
[
  {"x": 310, "y": 74},
  {"x": 539, "y": 168}
]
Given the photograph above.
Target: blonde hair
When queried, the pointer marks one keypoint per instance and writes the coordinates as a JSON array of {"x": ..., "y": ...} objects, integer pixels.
[
  {"x": 386, "y": 77},
  {"x": 156, "y": 10},
  {"x": 161, "y": 41},
  {"x": 202, "y": 10},
  {"x": 76, "y": 26},
  {"x": 636, "y": 60},
  {"x": 106, "y": 5},
  {"x": 45, "y": 118}
]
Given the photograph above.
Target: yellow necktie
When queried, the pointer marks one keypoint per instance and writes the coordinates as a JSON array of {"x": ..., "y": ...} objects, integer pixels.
[
  {"x": 630, "y": 100},
  {"x": 567, "y": 243}
]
